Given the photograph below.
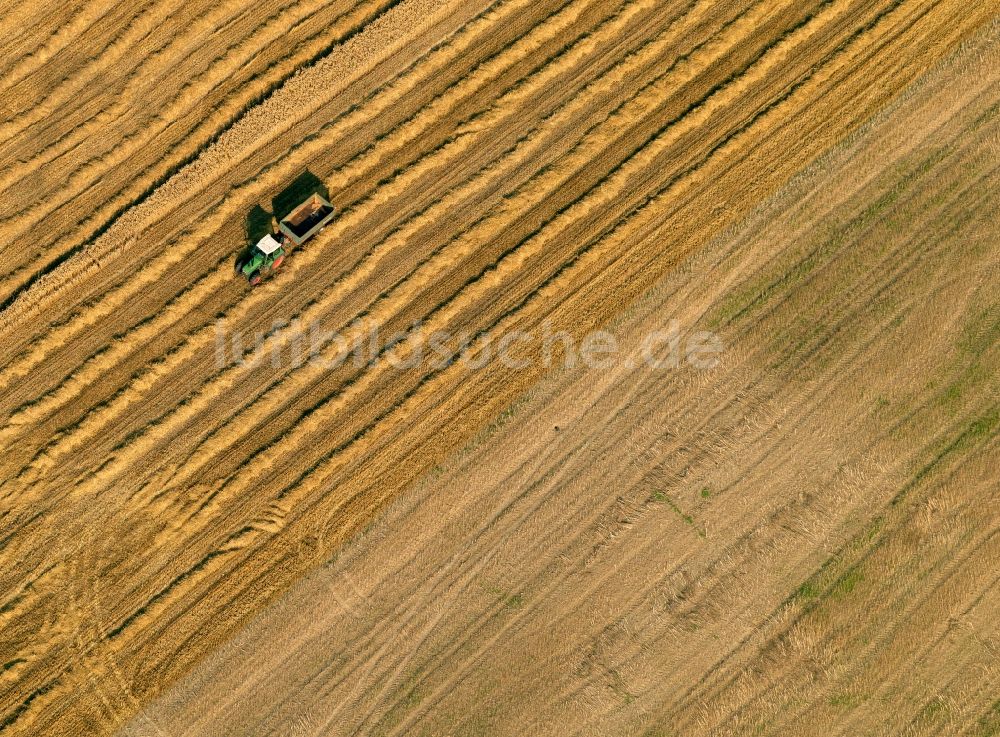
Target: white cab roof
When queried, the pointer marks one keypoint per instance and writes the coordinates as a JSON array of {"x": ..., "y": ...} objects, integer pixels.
[{"x": 268, "y": 245}]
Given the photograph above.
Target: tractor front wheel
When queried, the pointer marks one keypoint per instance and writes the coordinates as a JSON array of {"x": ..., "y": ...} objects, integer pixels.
[{"x": 255, "y": 280}]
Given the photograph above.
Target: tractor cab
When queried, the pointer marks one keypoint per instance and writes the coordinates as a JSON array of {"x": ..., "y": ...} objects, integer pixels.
[{"x": 266, "y": 256}]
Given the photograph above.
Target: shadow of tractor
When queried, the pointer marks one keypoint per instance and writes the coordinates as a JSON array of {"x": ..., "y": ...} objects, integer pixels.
[{"x": 258, "y": 225}]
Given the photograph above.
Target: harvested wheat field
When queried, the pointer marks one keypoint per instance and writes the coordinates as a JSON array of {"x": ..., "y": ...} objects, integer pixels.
[{"x": 206, "y": 531}]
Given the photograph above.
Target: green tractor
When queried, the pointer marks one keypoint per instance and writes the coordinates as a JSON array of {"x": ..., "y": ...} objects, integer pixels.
[{"x": 266, "y": 256}]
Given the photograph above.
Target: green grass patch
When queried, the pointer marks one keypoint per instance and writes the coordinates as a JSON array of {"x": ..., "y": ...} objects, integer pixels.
[
  {"x": 934, "y": 710},
  {"x": 847, "y": 583},
  {"x": 688, "y": 519},
  {"x": 979, "y": 428},
  {"x": 658, "y": 732},
  {"x": 989, "y": 723},
  {"x": 832, "y": 236},
  {"x": 826, "y": 578},
  {"x": 984, "y": 425},
  {"x": 846, "y": 700},
  {"x": 413, "y": 692},
  {"x": 661, "y": 496},
  {"x": 618, "y": 686},
  {"x": 807, "y": 592}
]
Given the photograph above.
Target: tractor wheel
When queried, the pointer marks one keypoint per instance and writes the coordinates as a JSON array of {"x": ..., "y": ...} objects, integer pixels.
[
  {"x": 277, "y": 263},
  {"x": 255, "y": 280}
]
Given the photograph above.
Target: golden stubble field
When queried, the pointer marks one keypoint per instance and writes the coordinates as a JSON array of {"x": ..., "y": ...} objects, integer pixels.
[
  {"x": 498, "y": 165},
  {"x": 802, "y": 540}
]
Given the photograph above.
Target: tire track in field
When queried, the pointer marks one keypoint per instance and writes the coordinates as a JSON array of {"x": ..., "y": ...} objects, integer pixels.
[
  {"x": 52, "y": 109},
  {"x": 901, "y": 520},
  {"x": 442, "y": 100},
  {"x": 392, "y": 621},
  {"x": 68, "y": 134},
  {"x": 13, "y": 46},
  {"x": 40, "y": 115}
]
